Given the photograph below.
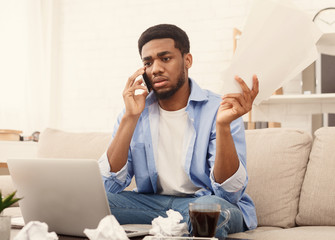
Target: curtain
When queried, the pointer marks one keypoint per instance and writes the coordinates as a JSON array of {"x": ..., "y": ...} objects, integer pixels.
[{"x": 25, "y": 73}]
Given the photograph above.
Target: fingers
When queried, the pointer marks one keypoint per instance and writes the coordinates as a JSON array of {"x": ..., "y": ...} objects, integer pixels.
[
  {"x": 246, "y": 90},
  {"x": 241, "y": 103},
  {"x": 130, "y": 91},
  {"x": 243, "y": 85},
  {"x": 239, "y": 96},
  {"x": 133, "y": 77},
  {"x": 235, "y": 105},
  {"x": 138, "y": 82},
  {"x": 138, "y": 86},
  {"x": 255, "y": 87}
]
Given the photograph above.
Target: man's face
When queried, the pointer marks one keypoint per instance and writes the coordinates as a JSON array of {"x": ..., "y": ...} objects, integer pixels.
[{"x": 165, "y": 67}]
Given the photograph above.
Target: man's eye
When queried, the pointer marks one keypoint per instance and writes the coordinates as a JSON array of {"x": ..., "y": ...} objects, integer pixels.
[
  {"x": 147, "y": 64},
  {"x": 166, "y": 59}
]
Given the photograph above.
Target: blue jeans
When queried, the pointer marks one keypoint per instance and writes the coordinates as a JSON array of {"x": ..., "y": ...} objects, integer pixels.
[{"x": 138, "y": 208}]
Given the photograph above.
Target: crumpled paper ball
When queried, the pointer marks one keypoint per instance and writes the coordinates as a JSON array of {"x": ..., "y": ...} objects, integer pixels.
[
  {"x": 108, "y": 229},
  {"x": 36, "y": 230},
  {"x": 169, "y": 226}
]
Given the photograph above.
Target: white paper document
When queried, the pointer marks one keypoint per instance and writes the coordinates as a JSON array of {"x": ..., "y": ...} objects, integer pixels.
[
  {"x": 326, "y": 44},
  {"x": 277, "y": 43}
]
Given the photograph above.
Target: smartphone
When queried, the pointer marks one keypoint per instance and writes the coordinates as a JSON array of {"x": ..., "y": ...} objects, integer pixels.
[{"x": 147, "y": 82}]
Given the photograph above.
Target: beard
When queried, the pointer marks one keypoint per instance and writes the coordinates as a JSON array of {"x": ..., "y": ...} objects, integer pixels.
[{"x": 171, "y": 92}]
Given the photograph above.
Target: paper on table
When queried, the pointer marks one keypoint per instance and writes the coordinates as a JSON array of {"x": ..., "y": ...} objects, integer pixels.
[
  {"x": 108, "y": 229},
  {"x": 277, "y": 43},
  {"x": 36, "y": 230},
  {"x": 169, "y": 226}
]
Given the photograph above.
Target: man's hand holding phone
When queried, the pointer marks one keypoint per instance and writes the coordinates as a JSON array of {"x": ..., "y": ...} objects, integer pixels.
[
  {"x": 147, "y": 82},
  {"x": 135, "y": 103}
]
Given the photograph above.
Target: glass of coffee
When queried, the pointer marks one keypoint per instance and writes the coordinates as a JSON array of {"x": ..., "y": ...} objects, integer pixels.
[{"x": 204, "y": 218}]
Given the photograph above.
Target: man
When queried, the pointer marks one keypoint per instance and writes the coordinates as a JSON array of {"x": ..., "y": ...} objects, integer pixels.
[{"x": 182, "y": 143}]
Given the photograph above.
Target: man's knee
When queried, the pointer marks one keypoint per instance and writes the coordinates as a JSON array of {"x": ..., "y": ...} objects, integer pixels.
[
  {"x": 121, "y": 199},
  {"x": 215, "y": 199}
]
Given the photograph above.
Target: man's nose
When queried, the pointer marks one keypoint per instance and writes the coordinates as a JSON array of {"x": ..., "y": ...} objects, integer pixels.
[{"x": 157, "y": 68}]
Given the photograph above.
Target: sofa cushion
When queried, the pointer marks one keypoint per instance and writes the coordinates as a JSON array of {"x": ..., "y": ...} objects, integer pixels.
[
  {"x": 60, "y": 144},
  {"x": 55, "y": 143},
  {"x": 317, "y": 201},
  {"x": 296, "y": 233},
  {"x": 276, "y": 163}
]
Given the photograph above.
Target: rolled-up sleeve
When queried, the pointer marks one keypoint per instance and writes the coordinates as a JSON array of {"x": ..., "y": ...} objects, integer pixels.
[
  {"x": 113, "y": 182},
  {"x": 235, "y": 182},
  {"x": 233, "y": 188},
  {"x": 106, "y": 170}
]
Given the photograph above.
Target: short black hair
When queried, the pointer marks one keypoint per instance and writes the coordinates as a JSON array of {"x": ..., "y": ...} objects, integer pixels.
[{"x": 165, "y": 31}]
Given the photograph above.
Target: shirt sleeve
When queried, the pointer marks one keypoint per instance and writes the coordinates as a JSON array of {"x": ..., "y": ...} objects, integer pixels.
[
  {"x": 220, "y": 189},
  {"x": 235, "y": 182},
  {"x": 114, "y": 182},
  {"x": 106, "y": 170}
]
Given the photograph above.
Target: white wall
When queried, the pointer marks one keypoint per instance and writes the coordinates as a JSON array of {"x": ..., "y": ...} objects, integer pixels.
[{"x": 95, "y": 50}]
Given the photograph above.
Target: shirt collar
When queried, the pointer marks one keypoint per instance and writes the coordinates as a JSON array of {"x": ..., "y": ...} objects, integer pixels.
[{"x": 197, "y": 93}]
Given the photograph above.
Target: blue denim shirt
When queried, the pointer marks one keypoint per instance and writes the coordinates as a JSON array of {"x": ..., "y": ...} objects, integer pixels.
[{"x": 201, "y": 109}]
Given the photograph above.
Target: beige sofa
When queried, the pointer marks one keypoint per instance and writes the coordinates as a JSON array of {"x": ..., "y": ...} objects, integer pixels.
[{"x": 290, "y": 178}]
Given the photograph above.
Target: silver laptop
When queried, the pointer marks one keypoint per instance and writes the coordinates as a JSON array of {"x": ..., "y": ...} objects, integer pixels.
[{"x": 67, "y": 194}]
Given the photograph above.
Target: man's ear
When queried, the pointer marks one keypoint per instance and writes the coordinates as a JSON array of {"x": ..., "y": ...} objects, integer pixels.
[{"x": 188, "y": 60}]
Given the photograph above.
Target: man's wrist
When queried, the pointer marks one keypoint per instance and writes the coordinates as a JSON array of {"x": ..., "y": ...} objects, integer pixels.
[
  {"x": 129, "y": 115},
  {"x": 130, "y": 118},
  {"x": 222, "y": 127}
]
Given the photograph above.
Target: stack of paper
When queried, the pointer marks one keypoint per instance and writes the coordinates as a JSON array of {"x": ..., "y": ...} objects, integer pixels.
[{"x": 277, "y": 43}]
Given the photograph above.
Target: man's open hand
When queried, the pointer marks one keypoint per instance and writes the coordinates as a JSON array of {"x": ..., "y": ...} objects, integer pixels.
[{"x": 234, "y": 105}]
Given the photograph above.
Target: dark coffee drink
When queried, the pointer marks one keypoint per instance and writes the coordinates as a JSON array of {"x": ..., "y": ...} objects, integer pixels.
[{"x": 204, "y": 222}]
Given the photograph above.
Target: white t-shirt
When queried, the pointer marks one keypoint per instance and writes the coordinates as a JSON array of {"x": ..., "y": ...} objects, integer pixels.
[
  {"x": 174, "y": 135},
  {"x": 173, "y": 139}
]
